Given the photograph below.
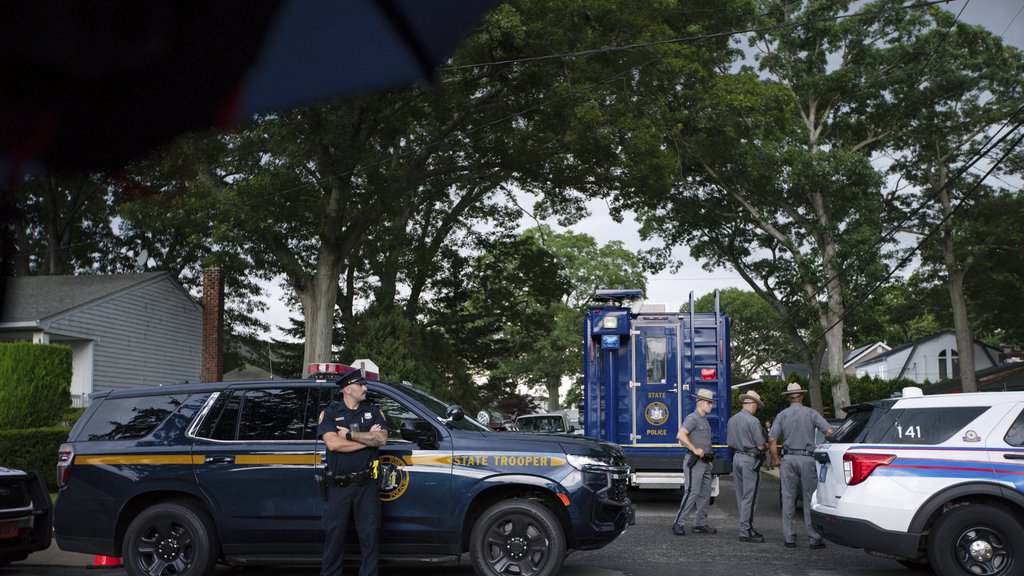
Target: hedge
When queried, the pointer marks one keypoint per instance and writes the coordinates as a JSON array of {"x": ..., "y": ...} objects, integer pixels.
[
  {"x": 33, "y": 449},
  {"x": 35, "y": 384},
  {"x": 861, "y": 390}
]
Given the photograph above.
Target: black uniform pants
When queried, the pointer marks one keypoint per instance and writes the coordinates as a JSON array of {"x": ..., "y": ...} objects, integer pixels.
[{"x": 359, "y": 501}]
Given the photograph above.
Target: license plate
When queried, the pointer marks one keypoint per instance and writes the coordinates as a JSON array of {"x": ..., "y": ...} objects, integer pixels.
[
  {"x": 8, "y": 529},
  {"x": 822, "y": 473}
]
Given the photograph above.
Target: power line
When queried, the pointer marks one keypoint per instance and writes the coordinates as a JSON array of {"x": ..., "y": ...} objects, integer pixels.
[{"x": 702, "y": 37}]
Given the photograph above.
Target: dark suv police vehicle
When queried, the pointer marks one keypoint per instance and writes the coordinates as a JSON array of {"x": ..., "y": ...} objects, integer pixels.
[{"x": 176, "y": 479}]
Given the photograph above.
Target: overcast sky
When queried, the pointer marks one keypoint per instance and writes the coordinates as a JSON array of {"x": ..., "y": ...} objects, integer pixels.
[{"x": 1002, "y": 17}]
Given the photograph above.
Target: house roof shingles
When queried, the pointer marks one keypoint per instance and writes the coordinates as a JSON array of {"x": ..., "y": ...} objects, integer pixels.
[{"x": 34, "y": 298}]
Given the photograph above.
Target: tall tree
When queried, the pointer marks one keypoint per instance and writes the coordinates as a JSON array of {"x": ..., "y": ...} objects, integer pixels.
[
  {"x": 554, "y": 356},
  {"x": 972, "y": 91},
  {"x": 374, "y": 199}
]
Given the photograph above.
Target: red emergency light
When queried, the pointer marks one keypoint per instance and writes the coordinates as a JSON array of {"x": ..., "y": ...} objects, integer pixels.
[
  {"x": 334, "y": 370},
  {"x": 708, "y": 374}
]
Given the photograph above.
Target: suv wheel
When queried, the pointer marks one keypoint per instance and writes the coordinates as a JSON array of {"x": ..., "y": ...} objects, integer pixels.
[
  {"x": 170, "y": 539},
  {"x": 976, "y": 539},
  {"x": 518, "y": 537}
]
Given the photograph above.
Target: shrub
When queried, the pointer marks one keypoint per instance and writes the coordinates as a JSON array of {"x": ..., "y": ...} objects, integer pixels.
[
  {"x": 35, "y": 384},
  {"x": 33, "y": 449}
]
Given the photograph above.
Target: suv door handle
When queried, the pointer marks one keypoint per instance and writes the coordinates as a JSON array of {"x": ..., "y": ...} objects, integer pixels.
[
  {"x": 1014, "y": 456},
  {"x": 219, "y": 460}
]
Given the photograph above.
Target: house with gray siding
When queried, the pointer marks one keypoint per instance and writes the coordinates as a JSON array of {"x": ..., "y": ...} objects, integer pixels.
[
  {"x": 125, "y": 330},
  {"x": 931, "y": 359}
]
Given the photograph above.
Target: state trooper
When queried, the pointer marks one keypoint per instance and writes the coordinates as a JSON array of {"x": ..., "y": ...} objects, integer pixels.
[
  {"x": 746, "y": 438},
  {"x": 695, "y": 435},
  {"x": 352, "y": 431},
  {"x": 795, "y": 426}
]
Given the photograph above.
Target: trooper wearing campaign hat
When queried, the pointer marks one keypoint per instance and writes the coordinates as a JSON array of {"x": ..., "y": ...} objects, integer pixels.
[
  {"x": 746, "y": 439},
  {"x": 352, "y": 430},
  {"x": 695, "y": 435},
  {"x": 797, "y": 472}
]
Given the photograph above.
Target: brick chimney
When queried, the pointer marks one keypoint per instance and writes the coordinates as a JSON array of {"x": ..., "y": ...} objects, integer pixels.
[{"x": 213, "y": 325}]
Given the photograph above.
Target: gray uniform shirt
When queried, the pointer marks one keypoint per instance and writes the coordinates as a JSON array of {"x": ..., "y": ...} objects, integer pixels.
[
  {"x": 699, "y": 430},
  {"x": 744, "y": 432},
  {"x": 795, "y": 425}
]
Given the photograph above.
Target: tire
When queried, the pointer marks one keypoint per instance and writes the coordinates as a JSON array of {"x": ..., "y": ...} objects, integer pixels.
[
  {"x": 976, "y": 540},
  {"x": 519, "y": 537},
  {"x": 173, "y": 539},
  {"x": 6, "y": 559}
]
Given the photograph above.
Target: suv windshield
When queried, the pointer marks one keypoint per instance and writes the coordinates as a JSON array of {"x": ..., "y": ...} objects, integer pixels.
[{"x": 440, "y": 409}]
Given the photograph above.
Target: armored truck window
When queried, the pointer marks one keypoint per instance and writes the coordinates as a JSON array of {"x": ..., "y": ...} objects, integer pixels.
[
  {"x": 656, "y": 360},
  {"x": 130, "y": 418},
  {"x": 921, "y": 425}
]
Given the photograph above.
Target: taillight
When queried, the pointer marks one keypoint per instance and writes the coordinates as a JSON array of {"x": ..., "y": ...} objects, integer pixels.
[
  {"x": 857, "y": 467},
  {"x": 65, "y": 454}
]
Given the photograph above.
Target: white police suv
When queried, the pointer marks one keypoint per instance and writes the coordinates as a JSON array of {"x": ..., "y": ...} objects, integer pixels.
[{"x": 928, "y": 480}]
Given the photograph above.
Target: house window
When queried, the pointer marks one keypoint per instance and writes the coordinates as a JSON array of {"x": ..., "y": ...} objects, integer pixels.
[
  {"x": 881, "y": 372},
  {"x": 947, "y": 357}
]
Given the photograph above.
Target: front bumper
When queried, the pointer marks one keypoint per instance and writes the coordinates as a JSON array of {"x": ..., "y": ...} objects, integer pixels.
[
  {"x": 612, "y": 509},
  {"x": 857, "y": 533}
]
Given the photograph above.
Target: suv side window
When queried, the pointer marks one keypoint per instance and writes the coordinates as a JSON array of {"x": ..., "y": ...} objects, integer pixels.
[
  {"x": 1015, "y": 435},
  {"x": 921, "y": 425},
  {"x": 130, "y": 418},
  {"x": 394, "y": 412},
  {"x": 269, "y": 414}
]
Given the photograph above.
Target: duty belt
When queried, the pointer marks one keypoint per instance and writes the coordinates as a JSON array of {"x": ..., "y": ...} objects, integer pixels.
[
  {"x": 753, "y": 454},
  {"x": 361, "y": 477},
  {"x": 799, "y": 452}
]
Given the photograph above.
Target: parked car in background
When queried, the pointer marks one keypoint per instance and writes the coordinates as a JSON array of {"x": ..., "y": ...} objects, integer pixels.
[
  {"x": 545, "y": 424},
  {"x": 26, "y": 521}
]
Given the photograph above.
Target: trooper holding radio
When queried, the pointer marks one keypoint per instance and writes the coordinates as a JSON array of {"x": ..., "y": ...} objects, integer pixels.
[
  {"x": 695, "y": 435},
  {"x": 797, "y": 471},
  {"x": 352, "y": 431}
]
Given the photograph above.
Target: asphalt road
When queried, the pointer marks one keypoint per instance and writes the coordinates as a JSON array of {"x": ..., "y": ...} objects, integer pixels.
[{"x": 647, "y": 549}]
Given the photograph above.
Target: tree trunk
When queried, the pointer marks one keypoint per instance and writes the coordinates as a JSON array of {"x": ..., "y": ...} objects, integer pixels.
[
  {"x": 814, "y": 376},
  {"x": 955, "y": 273},
  {"x": 553, "y": 403},
  {"x": 318, "y": 298}
]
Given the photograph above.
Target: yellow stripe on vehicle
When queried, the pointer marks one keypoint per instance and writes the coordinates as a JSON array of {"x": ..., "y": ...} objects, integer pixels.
[{"x": 147, "y": 459}]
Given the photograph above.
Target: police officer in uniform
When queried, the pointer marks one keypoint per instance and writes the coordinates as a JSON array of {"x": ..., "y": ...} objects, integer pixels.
[
  {"x": 746, "y": 438},
  {"x": 352, "y": 430},
  {"x": 795, "y": 426},
  {"x": 695, "y": 435}
]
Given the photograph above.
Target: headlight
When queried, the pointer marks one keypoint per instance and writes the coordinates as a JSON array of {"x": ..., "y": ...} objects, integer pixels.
[{"x": 578, "y": 461}]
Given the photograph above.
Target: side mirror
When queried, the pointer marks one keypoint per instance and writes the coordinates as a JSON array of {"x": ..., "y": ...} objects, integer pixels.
[
  {"x": 419, "y": 432},
  {"x": 455, "y": 413},
  {"x": 571, "y": 428}
]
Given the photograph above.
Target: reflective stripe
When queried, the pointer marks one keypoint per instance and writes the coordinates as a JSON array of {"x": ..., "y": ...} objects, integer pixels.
[{"x": 110, "y": 459}]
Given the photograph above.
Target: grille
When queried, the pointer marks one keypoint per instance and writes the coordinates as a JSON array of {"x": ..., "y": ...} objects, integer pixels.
[{"x": 13, "y": 494}]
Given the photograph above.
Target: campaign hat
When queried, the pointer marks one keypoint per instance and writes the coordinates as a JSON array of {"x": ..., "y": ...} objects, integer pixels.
[
  {"x": 705, "y": 394},
  {"x": 793, "y": 388},
  {"x": 752, "y": 395}
]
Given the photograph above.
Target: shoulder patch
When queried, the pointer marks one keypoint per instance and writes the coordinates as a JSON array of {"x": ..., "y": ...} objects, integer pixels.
[{"x": 321, "y": 419}]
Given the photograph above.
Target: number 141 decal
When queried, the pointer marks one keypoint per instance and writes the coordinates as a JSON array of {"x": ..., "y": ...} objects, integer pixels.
[{"x": 908, "y": 432}]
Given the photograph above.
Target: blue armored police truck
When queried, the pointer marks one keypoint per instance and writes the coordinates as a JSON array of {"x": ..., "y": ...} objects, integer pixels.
[
  {"x": 175, "y": 479},
  {"x": 641, "y": 370}
]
